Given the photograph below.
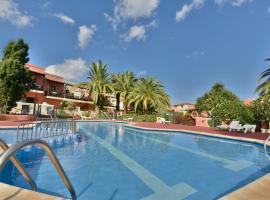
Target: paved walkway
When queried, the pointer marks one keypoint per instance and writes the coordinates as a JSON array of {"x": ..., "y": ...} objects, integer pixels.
[
  {"x": 9, "y": 192},
  {"x": 11, "y": 124},
  {"x": 211, "y": 131}
]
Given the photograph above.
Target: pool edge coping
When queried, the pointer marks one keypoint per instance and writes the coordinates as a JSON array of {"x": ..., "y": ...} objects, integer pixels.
[{"x": 242, "y": 139}]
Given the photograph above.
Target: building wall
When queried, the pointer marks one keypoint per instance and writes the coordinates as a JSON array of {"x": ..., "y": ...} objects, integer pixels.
[
  {"x": 183, "y": 108},
  {"x": 39, "y": 79},
  {"x": 47, "y": 81},
  {"x": 49, "y": 84}
]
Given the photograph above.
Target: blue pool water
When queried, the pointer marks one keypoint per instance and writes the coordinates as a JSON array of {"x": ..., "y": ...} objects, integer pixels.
[{"x": 109, "y": 161}]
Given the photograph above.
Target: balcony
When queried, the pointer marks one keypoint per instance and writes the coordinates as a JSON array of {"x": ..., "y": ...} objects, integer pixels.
[
  {"x": 68, "y": 96},
  {"x": 36, "y": 87}
]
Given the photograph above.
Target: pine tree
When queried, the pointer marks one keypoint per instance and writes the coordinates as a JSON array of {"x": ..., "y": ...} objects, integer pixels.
[{"x": 15, "y": 79}]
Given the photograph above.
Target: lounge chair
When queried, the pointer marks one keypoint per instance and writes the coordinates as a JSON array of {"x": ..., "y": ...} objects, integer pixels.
[
  {"x": 223, "y": 127},
  {"x": 249, "y": 128},
  {"x": 233, "y": 125},
  {"x": 130, "y": 119},
  {"x": 162, "y": 120}
]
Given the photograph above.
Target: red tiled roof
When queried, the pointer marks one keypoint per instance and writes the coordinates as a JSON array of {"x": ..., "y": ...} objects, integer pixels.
[
  {"x": 34, "y": 68},
  {"x": 40, "y": 70},
  {"x": 55, "y": 78},
  {"x": 248, "y": 101}
]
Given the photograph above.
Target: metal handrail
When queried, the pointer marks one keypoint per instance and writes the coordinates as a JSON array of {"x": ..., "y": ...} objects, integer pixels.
[
  {"x": 19, "y": 166},
  {"x": 265, "y": 147},
  {"x": 44, "y": 129},
  {"x": 10, "y": 152}
]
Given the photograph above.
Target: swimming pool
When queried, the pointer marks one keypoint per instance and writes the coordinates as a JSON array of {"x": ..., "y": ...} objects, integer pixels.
[{"x": 111, "y": 161}]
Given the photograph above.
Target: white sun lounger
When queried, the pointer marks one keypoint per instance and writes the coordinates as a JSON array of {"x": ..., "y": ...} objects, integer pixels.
[
  {"x": 249, "y": 128},
  {"x": 162, "y": 120},
  {"x": 233, "y": 126}
]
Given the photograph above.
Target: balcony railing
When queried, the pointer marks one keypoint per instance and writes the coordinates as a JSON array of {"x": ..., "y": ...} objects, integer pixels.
[
  {"x": 36, "y": 87},
  {"x": 68, "y": 96}
]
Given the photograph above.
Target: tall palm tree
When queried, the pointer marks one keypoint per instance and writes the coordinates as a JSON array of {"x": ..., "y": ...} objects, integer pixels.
[
  {"x": 264, "y": 87},
  {"x": 123, "y": 84},
  {"x": 100, "y": 82},
  {"x": 149, "y": 93}
]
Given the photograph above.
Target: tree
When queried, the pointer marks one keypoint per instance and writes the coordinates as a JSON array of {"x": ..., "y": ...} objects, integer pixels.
[
  {"x": 123, "y": 84},
  {"x": 216, "y": 96},
  {"x": 263, "y": 88},
  {"x": 148, "y": 93},
  {"x": 99, "y": 84},
  {"x": 230, "y": 110},
  {"x": 261, "y": 110},
  {"x": 15, "y": 79}
]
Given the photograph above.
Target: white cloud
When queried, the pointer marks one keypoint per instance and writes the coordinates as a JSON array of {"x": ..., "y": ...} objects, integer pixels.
[
  {"x": 135, "y": 33},
  {"x": 232, "y": 2},
  {"x": 136, "y": 8},
  {"x": 71, "y": 69},
  {"x": 138, "y": 32},
  {"x": 131, "y": 9},
  {"x": 9, "y": 11},
  {"x": 195, "y": 54},
  {"x": 64, "y": 18},
  {"x": 268, "y": 9},
  {"x": 46, "y": 5},
  {"x": 152, "y": 24},
  {"x": 142, "y": 73},
  {"x": 85, "y": 35},
  {"x": 187, "y": 8}
]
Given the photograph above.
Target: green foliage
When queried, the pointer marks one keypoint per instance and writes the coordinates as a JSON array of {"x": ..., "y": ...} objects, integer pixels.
[
  {"x": 15, "y": 80},
  {"x": 264, "y": 86},
  {"x": 100, "y": 83},
  {"x": 86, "y": 114},
  {"x": 63, "y": 115},
  {"x": 230, "y": 110},
  {"x": 141, "y": 117},
  {"x": 148, "y": 94},
  {"x": 123, "y": 84},
  {"x": 67, "y": 105},
  {"x": 261, "y": 110},
  {"x": 224, "y": 106},
  {"x": 211, "y": 123},
  {"x": 217, "y": 95}
]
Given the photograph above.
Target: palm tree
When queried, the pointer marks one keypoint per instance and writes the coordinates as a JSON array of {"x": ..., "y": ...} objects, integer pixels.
[
  {"x": 149, "y": 93},
  {"x": 123, "y": 84},
  {"x": 99, "y": 84},
  {"x": 264, "y": 87}
]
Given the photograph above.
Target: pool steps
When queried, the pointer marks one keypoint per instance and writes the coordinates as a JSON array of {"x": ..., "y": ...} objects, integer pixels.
[{"x": 10, "y": 152}]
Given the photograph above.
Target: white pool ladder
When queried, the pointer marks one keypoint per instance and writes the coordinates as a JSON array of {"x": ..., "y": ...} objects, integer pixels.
[{"x": 9, "y": 154}]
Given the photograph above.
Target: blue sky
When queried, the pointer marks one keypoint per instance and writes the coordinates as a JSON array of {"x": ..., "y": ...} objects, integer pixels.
[{"x": 187, "y": 44}]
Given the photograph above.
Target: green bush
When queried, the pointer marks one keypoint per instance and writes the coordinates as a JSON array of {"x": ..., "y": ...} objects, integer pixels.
[
  {"x": 86, "y": 114},
  {"x": 261, "y": 111},
  {"x": 140, "y": 117},
  {"x": 230, "y": 110},
  {"x": 63, "y": 115}
]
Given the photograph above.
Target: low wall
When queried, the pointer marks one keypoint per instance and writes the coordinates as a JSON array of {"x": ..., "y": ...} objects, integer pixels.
[
  {"x": 202, "y": 121},
  {"x": 17, "y": 118}
]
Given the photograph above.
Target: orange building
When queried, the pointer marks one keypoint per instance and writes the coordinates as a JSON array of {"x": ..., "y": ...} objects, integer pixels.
[{"x": 53, "y": 90}]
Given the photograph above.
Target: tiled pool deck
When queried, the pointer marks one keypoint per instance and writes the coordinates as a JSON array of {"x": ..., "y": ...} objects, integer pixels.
[
  {"x": 259, "y": 137},
  {"x": 255, "y": 190}
]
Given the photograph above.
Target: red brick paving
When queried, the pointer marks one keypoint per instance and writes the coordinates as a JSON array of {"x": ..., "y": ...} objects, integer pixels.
[
  {"x": 11, "y": 123},
  {"x": 214, "y": 131}
]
